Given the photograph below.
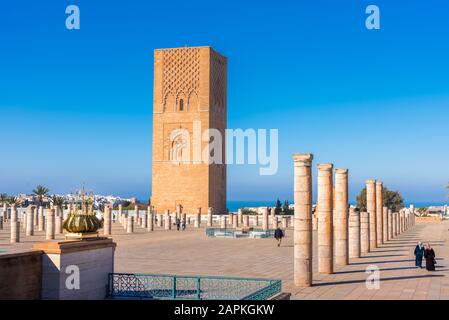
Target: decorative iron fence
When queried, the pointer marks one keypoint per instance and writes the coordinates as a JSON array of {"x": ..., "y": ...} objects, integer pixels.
[
  {"x": 239, "y": 233},
  {"x": 157, "y": 287}
]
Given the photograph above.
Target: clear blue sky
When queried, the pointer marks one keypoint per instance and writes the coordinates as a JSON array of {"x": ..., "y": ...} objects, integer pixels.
[{"x": 76, "y": 105}]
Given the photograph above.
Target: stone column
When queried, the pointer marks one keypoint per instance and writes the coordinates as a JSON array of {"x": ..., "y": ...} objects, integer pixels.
[
  {"x": 284, "y": 222},
  {"x": 178, "y": 211},
  {"x": 223, "y": 222},
  {"x": 272, "y": 215},
  {"x": 15, "y": 225},
  {"x": 150, "y": 222},
  {"x": 23, "y": 223},
  {"x": 385, "y": 224},
  {"x": 167, "y": 222},
  {"x": 390, "y": 225},
  {"x": 256, "y": 220},
  {"x": 364, "y": 232},
  {"x": 145, "y": 218},
  {"x": 50, "y": 227},
  {"x": 371, "y": 208},
  {"x": 59, "y": 222},
  {"x": 107, "y": 221},
  {"x": 120, "y": 213},
  {"x": 137, "y": 216},
  {"x": 354, "y": 234},
  {"x": 125, "y": 221},
  {"x": 130, "y": 224},
  {"x": 210, "y": 217},
  {"x": 401, "y": 222},
  {"x": 379, "y": 214},
  {"x": 302, "y": 251},
  {"x": 5, "y": 212},
  {"x": 275, "y": 223},
  {"x": 40, "y": 219},
  {"x": 325, "y": 213},
  {"x": 265, "y": 219},
  {"x": 340, "y": 218},
  {"x": 30, "y": 222},
  {"x": 37, "y": 211},
  {"x": 246, "y": 221},
  {"x": 314, "y": 222},
  {"x": 160, "y": 222},
  {"x": 235, "y": 221},
  {"x": 240, "y": 216},
  {"x": 395, "y": 224},
  {"x": 198, "y": 218}
]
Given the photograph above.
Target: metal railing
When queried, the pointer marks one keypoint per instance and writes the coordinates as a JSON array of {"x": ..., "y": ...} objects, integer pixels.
[
  {"x": 239, "y": 233},
  {"x": 171, "y": 287}
]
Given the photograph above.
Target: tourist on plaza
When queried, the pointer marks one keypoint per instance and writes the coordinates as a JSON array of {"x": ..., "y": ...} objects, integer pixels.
[
  {"x": 278, "y": 235},
  {"x": 429, "y": 255},
  {"x": 178, "y": 224},
  {"x": 183, "y": 224},
  {"x": 419, "y": 254}
]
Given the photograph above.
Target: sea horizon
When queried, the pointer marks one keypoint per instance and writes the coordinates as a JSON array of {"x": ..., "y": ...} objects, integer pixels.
[{"x": 234, "y": 205}]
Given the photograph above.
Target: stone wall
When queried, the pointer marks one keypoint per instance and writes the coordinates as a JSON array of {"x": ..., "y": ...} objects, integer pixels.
[
  {"x": 21, "y": 275},
  {"x": 428, "y": 219}
]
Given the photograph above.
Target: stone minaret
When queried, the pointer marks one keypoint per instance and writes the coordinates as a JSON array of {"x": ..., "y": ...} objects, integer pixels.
[{"x": 189, "y": 98}]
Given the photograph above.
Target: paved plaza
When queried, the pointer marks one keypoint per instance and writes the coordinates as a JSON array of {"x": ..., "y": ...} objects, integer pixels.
[{"x": 190, "y": 252}]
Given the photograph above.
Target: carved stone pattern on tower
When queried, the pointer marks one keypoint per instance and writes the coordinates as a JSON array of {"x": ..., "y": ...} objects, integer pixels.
[
  {"x": 181, "y": 73},
  {"x": 219, "y": 82}
]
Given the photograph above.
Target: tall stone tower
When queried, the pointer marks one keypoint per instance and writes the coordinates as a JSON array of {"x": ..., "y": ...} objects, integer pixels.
[{"x": 189, "y": 98}]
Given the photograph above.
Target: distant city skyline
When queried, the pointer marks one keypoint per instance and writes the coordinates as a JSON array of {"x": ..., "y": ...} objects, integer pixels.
[{"x": 77, "y": 104}]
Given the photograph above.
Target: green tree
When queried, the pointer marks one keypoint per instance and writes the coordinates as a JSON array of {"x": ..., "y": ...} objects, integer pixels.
[
  {"x": 246, "y": 211},
  {"x": 391, "y": 199},
  {"x": 278, "y": 207},
  {"x": 40, "y": 193},
  {"x": 286, "y": 208}
]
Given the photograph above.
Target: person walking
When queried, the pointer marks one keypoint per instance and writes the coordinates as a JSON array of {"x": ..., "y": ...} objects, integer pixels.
[
  {"x": 419, "y": 254},
  {"x": 429, "y": 255},
  {"x": 278, "y": 235},
  {"x": 183, "y": 224},
  {"x": 178, "y": 224}
]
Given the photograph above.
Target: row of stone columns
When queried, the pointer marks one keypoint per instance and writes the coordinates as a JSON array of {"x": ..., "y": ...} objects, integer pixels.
[
  {"x": 54, "y": 222},
  {"x": 343, "y": 233}
]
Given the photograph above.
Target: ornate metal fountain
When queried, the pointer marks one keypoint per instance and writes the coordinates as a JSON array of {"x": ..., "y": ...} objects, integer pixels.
[{"x": 81, "y": 221}]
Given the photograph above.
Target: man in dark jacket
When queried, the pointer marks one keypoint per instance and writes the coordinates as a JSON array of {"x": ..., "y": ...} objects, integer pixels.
[{"x": 278, "y": 235}]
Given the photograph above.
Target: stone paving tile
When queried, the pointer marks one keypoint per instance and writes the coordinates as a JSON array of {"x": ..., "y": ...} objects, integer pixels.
[{"x": 190, "y": 252}]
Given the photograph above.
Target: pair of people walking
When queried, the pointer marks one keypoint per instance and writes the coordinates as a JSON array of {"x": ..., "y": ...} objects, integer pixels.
[
  {"x": 180, "y": 224},
  {"x": 427, "y": 253}
]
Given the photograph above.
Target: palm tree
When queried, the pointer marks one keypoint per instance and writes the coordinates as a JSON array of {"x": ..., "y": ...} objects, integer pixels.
[
  {"x": 58, "y": 201},
  {"x": 41, "y": 192},
  {"x": 3, "y": 198},
  {"x": 13, "y": 200}
]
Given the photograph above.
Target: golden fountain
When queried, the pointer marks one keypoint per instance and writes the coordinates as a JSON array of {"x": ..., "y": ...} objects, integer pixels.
[{"x": 81, "y": 224}]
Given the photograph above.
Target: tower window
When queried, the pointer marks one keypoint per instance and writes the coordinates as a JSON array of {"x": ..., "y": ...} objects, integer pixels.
[{"x": 181, "y": 105}]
